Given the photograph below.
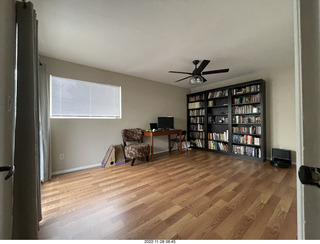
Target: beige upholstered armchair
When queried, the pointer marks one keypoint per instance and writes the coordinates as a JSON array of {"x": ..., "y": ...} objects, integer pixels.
[{"x": 133, "y": 146}]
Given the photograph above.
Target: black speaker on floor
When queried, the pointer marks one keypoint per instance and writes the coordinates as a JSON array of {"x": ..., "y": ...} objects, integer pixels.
[{"x": 281, "y": 158}]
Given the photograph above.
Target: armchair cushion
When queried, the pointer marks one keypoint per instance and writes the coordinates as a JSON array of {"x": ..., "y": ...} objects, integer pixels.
[{"x": 137, "y": 150}]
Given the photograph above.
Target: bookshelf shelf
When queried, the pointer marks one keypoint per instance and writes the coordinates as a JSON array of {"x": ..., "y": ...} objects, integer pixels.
[
  {"x": 237, "y": 104},
  {"x": 248, "y": 114},
  {"x": 246, "y": 134},
  {"x": 236, "y": 112},
  {"x": 219, "y": 141},
  {"x": 218, "y": 124},
  {"x": 245, "y": 124},
  {"x": 244, "y": 144},
  {"x": 244, "y": 94},
  {"x": 220, "y": 106},
  {"x": 213, "y": 98}
]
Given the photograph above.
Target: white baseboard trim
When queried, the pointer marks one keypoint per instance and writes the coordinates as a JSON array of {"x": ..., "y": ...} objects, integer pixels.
[
  {"x": 86, "y": 167},
  {"x": 292, "y": 162},
  {"x": 75, "y": 169},
  {"x": 96, "y": 165},
  {"x": 160, "y": 151}
]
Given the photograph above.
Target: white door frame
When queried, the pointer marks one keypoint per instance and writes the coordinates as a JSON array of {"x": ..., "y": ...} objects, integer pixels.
[{"x": 299, "y": 118}]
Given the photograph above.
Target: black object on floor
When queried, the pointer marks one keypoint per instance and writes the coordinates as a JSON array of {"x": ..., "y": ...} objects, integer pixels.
[{"x": 281, "y": 158}]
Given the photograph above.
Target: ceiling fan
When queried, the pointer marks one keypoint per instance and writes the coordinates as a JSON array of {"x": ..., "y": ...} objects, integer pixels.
[{"x": 196, "y": 76}]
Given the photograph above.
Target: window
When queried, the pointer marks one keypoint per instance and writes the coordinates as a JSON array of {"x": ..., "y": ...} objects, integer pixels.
[{"x": 82, "y": 99}]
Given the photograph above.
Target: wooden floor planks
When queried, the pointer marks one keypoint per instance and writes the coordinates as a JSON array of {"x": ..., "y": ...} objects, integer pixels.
[{"x": 196, "y": 195}]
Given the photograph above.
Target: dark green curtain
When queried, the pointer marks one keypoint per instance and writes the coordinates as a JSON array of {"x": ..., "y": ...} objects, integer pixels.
[
  {"x": 26, "y": 186},
  {"x": 44, "y": 118}
]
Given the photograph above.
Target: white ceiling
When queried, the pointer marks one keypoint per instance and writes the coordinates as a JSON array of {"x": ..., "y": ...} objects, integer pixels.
[{"x": 147, "y": 38}]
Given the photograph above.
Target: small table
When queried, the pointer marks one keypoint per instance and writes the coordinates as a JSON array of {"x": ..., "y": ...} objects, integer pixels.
[{"x": 163, "y": 133}]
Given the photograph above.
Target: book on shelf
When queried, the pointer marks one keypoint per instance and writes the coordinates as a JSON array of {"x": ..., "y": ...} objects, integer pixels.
[
  {"x": 255, "y": 130},
  {"x": 200, "y": 127},
  {"x": 219, "y": 136},
  {"x": 247, "y": 89},
  {"x": 247, "y": 151},
  {"x": 256, "y": 141},
  {"x": 247, "y": 99},
  {"x": 199, "y": 143},
  {"x": 199, "y": 120},
  {"x": 196, "y": 127},
  {"x": 246, "y": 139},
  {"x": 214, "y": 145},
  {"x": 217, "y": 94},
  {"x": 196, "y": 135},
  {"x": 195, "y": 105},
  {"x": 246, "y": 109},
  {"x": 197, "y": 112},
  {"x": 196, "y": 98},
  {"x": 246, "y": 119}
]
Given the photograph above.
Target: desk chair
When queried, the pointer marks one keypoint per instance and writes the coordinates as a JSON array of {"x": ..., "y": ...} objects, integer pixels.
[
  {"x": 137, "y": 149},
  {"x": 176, "y": 140}
]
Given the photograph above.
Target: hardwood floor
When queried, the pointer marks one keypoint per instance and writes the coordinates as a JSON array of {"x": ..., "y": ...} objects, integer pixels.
[{"x": 196, "y": 195}]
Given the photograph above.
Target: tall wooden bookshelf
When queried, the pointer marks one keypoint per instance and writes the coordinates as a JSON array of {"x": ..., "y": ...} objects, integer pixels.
[
  {"x": 218, "y": 120},
  {"x": 196, "y": 119},
  {"x": 229, "y": 120}
]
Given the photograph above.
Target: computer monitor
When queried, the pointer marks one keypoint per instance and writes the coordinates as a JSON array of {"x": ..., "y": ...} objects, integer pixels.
[{"x": 166, "y": 122}]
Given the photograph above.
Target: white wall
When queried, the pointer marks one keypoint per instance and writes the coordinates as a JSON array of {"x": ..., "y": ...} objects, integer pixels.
[
  {"x": 85, "y": 141},
  {"x": 280, "y": 105}
]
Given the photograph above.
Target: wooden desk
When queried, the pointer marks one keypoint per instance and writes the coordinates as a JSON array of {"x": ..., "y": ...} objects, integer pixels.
[{"x": 163, "y": 133}]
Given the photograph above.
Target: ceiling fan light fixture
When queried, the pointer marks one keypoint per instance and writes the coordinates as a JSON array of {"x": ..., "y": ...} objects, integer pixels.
[
  {"x": 194, "y": 80},
  {"x": 196, "y": 76}
]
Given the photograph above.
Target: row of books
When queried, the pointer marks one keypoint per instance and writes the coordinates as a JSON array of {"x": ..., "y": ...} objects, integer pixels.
[
  {"x": 246, "y": 119},
  {"x": 246, "y": 109},
  {"x": 248, "y": 151},
  {"x": 247, "y": 99},
  {"x": 196, "y": 98},
  {"x": 246, "y": 139},
  {"x": 216, "y": 94},
  {"x": 197, "y": 120},
  {"x": 218, "y": 146},
  {"x": 219, "y": 136},
  {"x": 247, "y": 130},
  {"x": 247, "y": 89},
  {"x": 198, "y": 112},
  {"x": 196, "y": 135},
  {"x": 198, "y": 127},
  {"x": 196, "y": 105},
  {"x": 198, "y": 143}
]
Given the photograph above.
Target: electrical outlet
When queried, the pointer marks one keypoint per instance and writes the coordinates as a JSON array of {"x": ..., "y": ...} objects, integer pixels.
[
  {"x": 61, "y": 156},
  {"x": 9, "y": 104}
]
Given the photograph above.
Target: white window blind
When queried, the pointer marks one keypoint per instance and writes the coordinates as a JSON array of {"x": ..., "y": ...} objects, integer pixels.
[{"x": 81, "y": 99}]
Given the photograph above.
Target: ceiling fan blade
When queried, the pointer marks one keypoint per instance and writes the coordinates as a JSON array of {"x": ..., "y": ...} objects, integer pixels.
[
  {"x": 202, "y": 66},
  {"x": 215, "y": 71},
  {"x": 183, "y": 78},
  {"x": 179, "y": 72},
  {"x": 204, "y": 79}
]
